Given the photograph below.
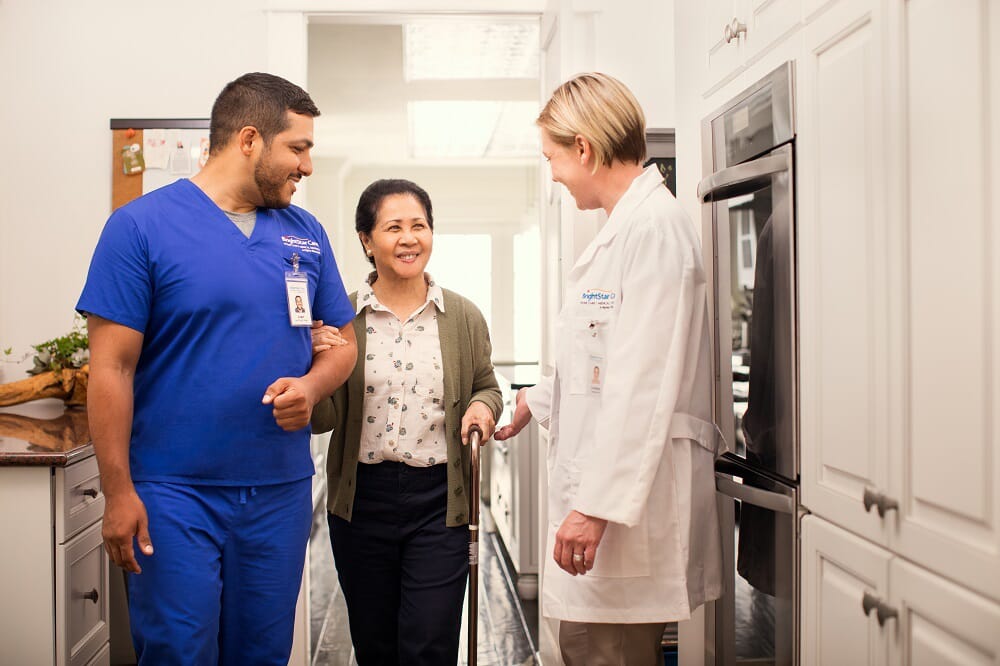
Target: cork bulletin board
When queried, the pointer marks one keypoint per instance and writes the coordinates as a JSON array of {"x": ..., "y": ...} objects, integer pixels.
[{"x": 132, "y": 131}]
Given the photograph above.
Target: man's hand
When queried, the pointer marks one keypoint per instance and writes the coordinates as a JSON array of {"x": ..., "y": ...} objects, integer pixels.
[
  {"x": 293, "y": 402},
  {"x": 521, "y": 418},
  {"x": 576, "y": 542},
  {"x": 125, "y": 519}
]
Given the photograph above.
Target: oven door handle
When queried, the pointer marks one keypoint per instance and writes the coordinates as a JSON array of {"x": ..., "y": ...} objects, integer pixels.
[
  {"x": 743, "y": 178},
  {"x": 762, "y": 498}
]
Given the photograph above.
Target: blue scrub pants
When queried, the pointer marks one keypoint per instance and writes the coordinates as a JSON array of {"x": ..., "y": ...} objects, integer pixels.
[
  {"x": 402, "y": 569},
  {"x": 221, "y": 585}
]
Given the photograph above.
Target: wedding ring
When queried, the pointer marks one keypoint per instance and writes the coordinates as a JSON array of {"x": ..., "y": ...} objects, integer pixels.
[{"x": 577, "y": 557}]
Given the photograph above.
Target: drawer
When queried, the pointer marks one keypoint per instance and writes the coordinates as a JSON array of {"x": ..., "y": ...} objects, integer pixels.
[
  {"x": 79, "y": 500},
  {"x": 82, "y": 607}
]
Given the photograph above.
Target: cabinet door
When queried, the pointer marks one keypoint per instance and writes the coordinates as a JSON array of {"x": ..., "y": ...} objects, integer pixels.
[
  {"x": 838, "y": 570},
  {"x": 940, "y": 623},
  {"x": 842, "y": 246},
  {"x": 945, "y": 308},
  {"x": 724, "y": 51},
  {"x": 81, "y": 597},
  {"x": 769, "y": 22}
]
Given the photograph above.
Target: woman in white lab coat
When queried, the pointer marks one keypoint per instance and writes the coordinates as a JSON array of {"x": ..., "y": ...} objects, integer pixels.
[{"x": 634, "y": 530}]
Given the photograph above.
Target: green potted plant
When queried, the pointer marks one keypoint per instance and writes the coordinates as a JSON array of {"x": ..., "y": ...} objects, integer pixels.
[{"x": 59, "y": 370}]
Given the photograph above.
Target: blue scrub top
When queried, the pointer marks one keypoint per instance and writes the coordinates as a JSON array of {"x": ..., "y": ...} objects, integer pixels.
[{"x": 213, "y": 309}]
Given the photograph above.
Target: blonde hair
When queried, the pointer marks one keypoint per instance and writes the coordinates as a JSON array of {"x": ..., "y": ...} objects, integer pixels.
[{"x": 601, "y": 109}]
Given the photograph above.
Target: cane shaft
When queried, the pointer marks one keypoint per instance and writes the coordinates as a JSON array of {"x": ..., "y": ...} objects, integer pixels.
[{"x": 475, "y": 436}]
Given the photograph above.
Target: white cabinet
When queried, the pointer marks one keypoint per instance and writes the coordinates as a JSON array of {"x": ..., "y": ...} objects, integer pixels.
[
  {"x": 944, "y": 125},
  {"x": 899, "y": 292},
  {"x": 514, "y": 497},
  {"x": 55, "y": 573},
  {"x": 736, "y": 33},
  {"x": 838, "y": 570},
  {"x": 862, "y": 605},
  {"x": 939, "y": 623},
  {"x": 842, "y": 246}
]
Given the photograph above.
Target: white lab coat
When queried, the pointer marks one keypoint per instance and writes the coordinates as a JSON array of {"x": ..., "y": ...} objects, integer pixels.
[{"x": 629, "y": 415}]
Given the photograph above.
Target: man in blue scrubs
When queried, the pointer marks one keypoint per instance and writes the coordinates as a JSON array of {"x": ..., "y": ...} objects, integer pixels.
[{"x": 203, "y": 382}]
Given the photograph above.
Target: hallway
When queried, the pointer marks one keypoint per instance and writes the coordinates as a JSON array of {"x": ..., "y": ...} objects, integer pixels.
[{"x": 504, "y": 635}]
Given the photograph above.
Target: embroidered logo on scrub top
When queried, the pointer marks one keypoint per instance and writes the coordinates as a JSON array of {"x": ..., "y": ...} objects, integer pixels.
[
  {"x": 301, "y": 244},
  {"x": 605, "y": 300}
]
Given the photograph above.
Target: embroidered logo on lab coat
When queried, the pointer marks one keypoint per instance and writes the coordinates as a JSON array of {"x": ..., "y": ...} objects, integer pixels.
[{"x": 605, "y": 300}]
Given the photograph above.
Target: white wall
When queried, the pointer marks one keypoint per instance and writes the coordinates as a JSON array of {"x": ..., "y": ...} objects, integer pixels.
[
  {"x": 65, "y": 70},
  {"x": 635, "y": 43}
]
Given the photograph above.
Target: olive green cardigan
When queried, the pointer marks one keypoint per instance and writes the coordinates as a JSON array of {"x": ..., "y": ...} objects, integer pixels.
[{"x": 468, "y": 376}]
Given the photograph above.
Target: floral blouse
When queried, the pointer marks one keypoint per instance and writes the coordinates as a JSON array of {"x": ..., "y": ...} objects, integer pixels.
[{"x": 404, "y": 383}]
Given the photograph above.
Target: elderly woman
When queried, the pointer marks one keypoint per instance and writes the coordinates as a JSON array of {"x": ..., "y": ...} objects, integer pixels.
[
  {"x": 633, "y": 528},
  {"x": 398, "y": 471}
]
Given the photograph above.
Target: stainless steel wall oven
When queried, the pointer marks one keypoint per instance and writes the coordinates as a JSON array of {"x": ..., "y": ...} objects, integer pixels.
[{"x": 749, "y": 231}]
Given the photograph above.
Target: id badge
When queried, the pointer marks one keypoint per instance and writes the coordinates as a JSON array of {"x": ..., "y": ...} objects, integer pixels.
[
  {"x": 297, "y": 288},
  {"x": 596, "y": 373}
]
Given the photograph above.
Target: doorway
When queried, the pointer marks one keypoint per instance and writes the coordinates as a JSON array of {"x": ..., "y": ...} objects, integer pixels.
[{"x": 448, "y": 102}]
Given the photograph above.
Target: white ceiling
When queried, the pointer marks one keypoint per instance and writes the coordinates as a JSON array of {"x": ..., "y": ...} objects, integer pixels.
[{"x": 467, "y": 90}]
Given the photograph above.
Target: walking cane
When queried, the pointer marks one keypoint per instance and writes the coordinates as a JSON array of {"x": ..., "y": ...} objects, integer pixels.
[{"x": 475, "y": 435}]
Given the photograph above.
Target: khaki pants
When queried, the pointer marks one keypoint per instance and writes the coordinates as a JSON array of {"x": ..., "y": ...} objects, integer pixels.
[{"x": 592, "y": 644}]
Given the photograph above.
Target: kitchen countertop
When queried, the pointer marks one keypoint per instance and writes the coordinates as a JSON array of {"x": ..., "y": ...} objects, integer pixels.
[{"x": 43, "y": 433}]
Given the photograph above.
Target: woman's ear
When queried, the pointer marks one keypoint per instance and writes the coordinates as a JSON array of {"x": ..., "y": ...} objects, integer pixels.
[
  {"x": 582, "y": 147},
  {"x": 365, "y": 242}
]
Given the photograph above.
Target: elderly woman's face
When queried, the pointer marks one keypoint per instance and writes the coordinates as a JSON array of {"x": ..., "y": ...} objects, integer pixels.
[
  {"x": 570, "y": 168},
  {"x": 401, "y": 240}
]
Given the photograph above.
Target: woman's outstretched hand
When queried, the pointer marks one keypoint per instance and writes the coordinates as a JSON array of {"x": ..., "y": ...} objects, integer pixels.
[
  {"x": 522, "y": 415},
  {"x": 325, "y": 337}
]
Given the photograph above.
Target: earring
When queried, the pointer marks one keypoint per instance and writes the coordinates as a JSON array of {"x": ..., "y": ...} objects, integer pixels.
[{"x": 369, "y": 253}]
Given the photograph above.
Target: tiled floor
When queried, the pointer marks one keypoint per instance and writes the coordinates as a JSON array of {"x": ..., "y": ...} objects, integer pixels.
[{"x": 507, "y": 628}]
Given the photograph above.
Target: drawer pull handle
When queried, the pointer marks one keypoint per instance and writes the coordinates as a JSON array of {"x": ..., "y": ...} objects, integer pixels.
[
  {"x": 89, "y": 492},
  {"x": 92, "y": 596}
]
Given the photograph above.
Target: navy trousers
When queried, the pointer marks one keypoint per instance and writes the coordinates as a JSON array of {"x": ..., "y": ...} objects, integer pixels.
[{"x": 403, "y": 571}]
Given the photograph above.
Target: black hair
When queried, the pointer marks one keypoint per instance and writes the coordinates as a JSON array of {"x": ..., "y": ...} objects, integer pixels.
[
  {"x": 259, "y": 100},
  {"x": 374, "y": 194}
]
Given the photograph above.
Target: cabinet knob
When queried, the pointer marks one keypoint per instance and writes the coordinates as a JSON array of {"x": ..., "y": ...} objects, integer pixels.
[
  {"x": 870, "y": 499},
  {"x": 89, "y": 492},
  {"x": 884, "y": 612},
  {"x": 92, "y": 595},
  {"x": 885, "y": 504},
  {"x": 738, "y": 28},
  {"x": 869, "y": 602},
  {"x": 727, "y": 34}
]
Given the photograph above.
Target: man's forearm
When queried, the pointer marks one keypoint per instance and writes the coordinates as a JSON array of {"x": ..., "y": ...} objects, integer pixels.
[
  {"x": 109, "y": 412},
  {"x": 330, "y": 369}
]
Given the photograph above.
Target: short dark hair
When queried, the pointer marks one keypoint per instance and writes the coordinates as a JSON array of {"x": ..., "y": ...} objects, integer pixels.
[
  {"x": 374, "y": 194},
  {"x": 260, "y": 100}
]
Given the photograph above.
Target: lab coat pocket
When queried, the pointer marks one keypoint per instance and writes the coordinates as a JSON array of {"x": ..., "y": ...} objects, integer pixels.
[
  {"x": 623, "y": 551},
  {"x": 587, "y": 350},
  {"x": 564, "y": 481}
]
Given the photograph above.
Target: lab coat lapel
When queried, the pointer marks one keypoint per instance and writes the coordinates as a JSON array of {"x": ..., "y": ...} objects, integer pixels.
[{"x": 645, "y": 184}]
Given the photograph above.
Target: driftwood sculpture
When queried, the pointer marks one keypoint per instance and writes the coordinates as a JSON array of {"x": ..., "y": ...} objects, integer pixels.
[{"x": 70, "y": 385}]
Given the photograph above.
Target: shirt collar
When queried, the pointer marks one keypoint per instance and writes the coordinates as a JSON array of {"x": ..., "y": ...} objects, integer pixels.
[{"x": 367, "y": 297}]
